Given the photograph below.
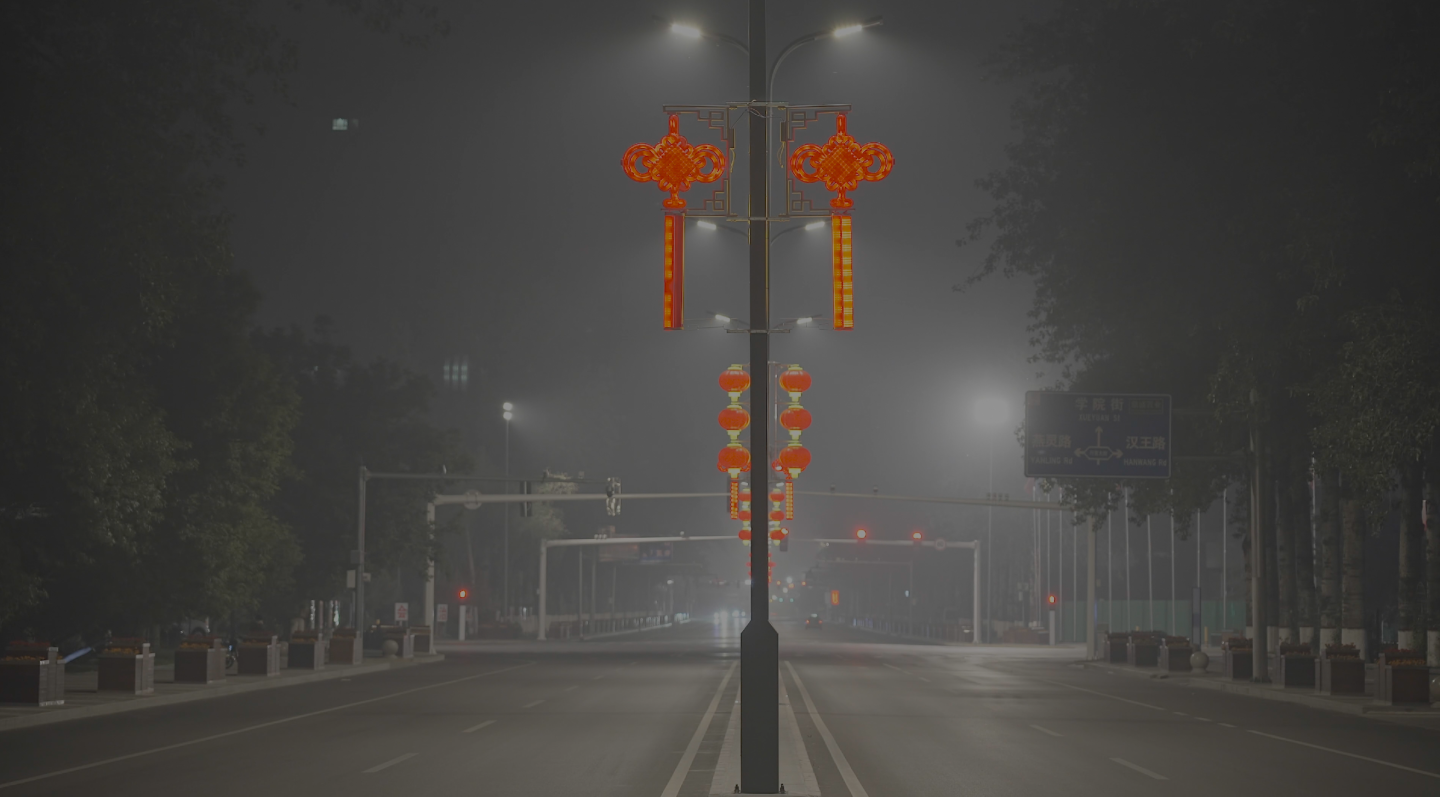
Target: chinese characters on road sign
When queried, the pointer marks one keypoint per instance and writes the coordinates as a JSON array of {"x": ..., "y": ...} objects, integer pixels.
[{"x": 1111, "y": 435}]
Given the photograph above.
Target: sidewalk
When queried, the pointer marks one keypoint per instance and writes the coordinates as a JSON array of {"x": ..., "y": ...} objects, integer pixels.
[
  {"x": 1215, "y": 680},
  {"x": 83, "y": 699}
]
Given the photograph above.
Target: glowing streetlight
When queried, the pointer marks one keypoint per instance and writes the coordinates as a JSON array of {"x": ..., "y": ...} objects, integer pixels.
[
  {"x": 689, "y": 31},
  {"x": 992, "y": 411}
]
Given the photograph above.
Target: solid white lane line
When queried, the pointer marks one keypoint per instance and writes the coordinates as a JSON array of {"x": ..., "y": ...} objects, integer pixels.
[
  {"x": 1142, "y": 770},
  {"x": 1202, "y": 719},
  {"x": 1350, "y": 755},
  {"x": 677, "y": 778},
  {"x": 893, "y": 667},
  {"x": 1046, "y": 730},
  {"x": 598, "y": 677},
  {"x": 475, "y": 728},
  {"x": 1225, "y": 724},
  {"x": 569, "y": 689},
  {"x": 1182, "y": 714},
  {"x": 392, "y": 762},
  {"x": 271, "y": 723},
  {"x": 846, "y": 773},
  {"x": 1102, "y": 694},
  {"x": 532, "y": 705}
]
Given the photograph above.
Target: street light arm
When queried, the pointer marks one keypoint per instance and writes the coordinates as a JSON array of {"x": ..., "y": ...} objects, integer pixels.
[
  {"x": 705, "y": 34},
  {"x": 801, "y": 42}
]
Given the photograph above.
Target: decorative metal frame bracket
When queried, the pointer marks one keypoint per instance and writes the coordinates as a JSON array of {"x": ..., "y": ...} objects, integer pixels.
[
  {"x": 718, "y": 118},
  {"x": 793, "y": 119}
]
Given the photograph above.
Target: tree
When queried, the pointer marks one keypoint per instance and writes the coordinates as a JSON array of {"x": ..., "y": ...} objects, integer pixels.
[{"x": 352, "y": 414}]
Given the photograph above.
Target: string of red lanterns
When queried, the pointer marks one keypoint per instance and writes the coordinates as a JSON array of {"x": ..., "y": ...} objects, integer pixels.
[{"x": 734, "y": 458}]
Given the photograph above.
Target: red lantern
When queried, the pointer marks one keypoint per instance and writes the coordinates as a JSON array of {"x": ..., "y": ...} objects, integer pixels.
[
  {"x": 745, "y": 534},
  {"x": 841, "y": 164},
  {"x": 734, "y": 380},
  {"x": 779, "y": 534},
  {"x": 794, "y": 459},
  {"x": 795, "y": 381},
  {"x": 777, "y": 515},
  {"x": 734, "y": 459},
  {"x": 733, "y": 419},
  {"x": 745, "y": 494},
  {"x": 744, "y": 515},
  {"x": 795, "y": 419},
  {"x": 777, "y": 467},
  {"x": 777, "y": 494}
]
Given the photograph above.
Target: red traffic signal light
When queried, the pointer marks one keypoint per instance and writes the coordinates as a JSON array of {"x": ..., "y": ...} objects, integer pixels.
[
  {"x": 1051, "y": 599},
  {"x": 917, "y": 536},
  {"x": 861, "y": 535},
  {"x": 463, "y": 593}
]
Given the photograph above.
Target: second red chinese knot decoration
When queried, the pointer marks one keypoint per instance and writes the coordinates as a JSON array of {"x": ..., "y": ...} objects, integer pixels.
[
  {"x": 673, "y": 164},
  {"x": 842, "y": 163}
]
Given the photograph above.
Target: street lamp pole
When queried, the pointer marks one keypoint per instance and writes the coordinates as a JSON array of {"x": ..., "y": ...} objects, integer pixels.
[
  {"x": 509, "y": 413},
  {"x": 759, "y": 643}
]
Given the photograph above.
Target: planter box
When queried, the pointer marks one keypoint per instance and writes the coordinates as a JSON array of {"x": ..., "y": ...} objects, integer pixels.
[
  {"x": 1142, "y": 655},
  {"x": 258, "y": 657},
  {"x": 308, "y": 654},
  {"x": 346, "y": 650},
  {"x": 1399, "y": 686},
  {"x": 1293, "y": 670},
  {"x": 1341, "y": 676},
  {"x": 1239, "y": 664},
  {"x": 1115, "y": 648},
  {"x": 200, "y": 665},
  {"x": 402, "y": 638},
  {"x": 34, "y": 682},
  {"x": 132, "y": 673},
  {"x": 424, "y": 641},
  {"x": 1175, "y": 659}
]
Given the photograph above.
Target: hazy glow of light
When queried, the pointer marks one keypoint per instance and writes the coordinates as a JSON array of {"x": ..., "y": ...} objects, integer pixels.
[
  {"x": 804, "y": 321},
  {"x": 705, "y": 225},
  {"x": 841, "y": 32},
  {"x": 724, "y": 319},
  {"x": 992, "y": 411},
  {"x": 509, "y": 416},
  {"x": 685, "y": 30},
  {"x": 815, "y": 225},
  {"x": 508, "y": 407},
  {"x": 861, "y": 534},
  {"x": 747, "y": 582}
]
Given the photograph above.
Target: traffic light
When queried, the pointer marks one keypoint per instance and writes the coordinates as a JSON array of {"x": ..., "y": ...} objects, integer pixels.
[
  {"x": 463, "y": 594},
  {"x": 861, "y": 535},
  {"x": 918, "y": 537},
  {"x": 1051, "y": 599}
]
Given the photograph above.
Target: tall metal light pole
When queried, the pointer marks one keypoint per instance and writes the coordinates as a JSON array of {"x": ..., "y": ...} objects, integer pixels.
[
  {"x": 992, "y": 413},
  {"x": 759, "y": 643},
  {"x": 508, "y": 415}
]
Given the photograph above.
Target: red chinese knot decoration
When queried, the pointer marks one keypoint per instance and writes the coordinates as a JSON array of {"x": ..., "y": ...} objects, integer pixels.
[
  {"x": 673, "y": 164},
  {"x": 842, "y": 163},
  {"x": 734, "y": 458}
]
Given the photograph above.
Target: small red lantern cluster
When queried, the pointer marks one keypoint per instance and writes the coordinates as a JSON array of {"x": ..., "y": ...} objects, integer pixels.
[{"x": 734, "y": 458}]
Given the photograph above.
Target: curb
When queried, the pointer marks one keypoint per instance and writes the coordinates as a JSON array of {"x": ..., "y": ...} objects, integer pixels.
[{"x": 205, "y": 693}]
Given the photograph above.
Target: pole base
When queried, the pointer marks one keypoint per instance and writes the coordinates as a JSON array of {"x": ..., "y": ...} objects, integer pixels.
[{"x": 759, "y": 708}]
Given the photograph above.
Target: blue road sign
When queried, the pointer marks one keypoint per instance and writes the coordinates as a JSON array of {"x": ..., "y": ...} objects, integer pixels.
[{"x": 1098, "y": 435}]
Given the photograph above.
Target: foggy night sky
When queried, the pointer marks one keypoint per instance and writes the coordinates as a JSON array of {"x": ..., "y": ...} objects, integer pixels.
[{"x": 479, "y": 209}]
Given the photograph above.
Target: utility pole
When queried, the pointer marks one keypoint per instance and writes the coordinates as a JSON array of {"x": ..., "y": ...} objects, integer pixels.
[{"x": 759, "y": 643}]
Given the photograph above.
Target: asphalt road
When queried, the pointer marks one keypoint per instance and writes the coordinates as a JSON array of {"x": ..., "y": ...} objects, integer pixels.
[{"x": 620, "y": 717}]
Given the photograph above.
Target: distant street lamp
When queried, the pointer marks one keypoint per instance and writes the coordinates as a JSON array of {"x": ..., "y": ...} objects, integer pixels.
[
  {"x": 992, "y": 412},
  {"x": 508, "y": 415}
]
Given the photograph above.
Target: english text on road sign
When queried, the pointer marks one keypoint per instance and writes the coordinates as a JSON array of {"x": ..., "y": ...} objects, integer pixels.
[{"x": 1101, "y": 435}]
